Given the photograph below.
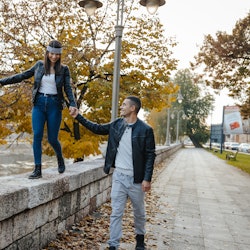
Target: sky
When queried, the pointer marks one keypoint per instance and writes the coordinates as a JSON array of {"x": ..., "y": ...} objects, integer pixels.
[{"x": 190, "y": 20}]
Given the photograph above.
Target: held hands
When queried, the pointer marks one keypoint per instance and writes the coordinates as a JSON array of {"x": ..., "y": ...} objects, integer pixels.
[{"x": 73, "y": 111}]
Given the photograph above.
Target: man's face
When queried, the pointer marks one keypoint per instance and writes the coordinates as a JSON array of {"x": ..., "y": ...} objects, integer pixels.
[{"x": 126, "y": 108}]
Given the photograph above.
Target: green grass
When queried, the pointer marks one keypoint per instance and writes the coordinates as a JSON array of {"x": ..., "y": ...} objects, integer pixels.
[{"x": 242, "y": 160}]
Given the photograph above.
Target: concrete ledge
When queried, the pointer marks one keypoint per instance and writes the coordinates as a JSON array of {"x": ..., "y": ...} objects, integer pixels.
[{"x": 33, "y": 212}]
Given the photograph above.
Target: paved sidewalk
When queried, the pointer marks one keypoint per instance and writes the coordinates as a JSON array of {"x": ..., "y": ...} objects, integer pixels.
[
  {"x": 205, "y": 203},
  {"x": 201, "y": 203}
]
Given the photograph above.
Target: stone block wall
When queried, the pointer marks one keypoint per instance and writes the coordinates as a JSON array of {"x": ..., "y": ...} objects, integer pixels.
[{"x": 33, "y": 212}]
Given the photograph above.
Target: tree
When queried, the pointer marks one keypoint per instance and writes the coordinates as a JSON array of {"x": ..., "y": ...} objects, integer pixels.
[
  {"x": 227, "y": 62},
  {"x": 88, "y": 51},
  {"x": 196, "y": 105},
  {"x": 158, "y": 121}
]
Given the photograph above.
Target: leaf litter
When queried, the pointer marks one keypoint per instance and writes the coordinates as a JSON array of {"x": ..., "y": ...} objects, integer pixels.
[{"x": 92, "y": 231}]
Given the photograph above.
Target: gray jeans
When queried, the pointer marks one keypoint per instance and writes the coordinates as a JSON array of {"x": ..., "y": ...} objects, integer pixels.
[{"x": 123, "y": 187}]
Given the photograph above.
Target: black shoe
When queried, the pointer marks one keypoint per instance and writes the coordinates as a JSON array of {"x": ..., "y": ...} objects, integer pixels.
[
  {"x": 112, "y": 248},
  {"x": 61, "y": 165},
  {"x": 140, "y": 245},
  {"x": 140, "y": 248},
  {"x": 37, "y": 173}
]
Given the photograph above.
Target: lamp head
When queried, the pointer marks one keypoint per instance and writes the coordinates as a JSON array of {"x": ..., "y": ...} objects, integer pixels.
[
  {"x": 152, "y": 5},
  {"x": 90, "y": 6},
  {"x": 179, "y": 97}
]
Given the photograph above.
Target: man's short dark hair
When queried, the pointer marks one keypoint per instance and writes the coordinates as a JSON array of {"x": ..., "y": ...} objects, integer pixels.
[{"x": 135, "y": 101}]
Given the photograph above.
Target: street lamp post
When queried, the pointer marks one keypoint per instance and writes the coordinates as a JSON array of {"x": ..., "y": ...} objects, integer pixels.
[
  {"x": 179, "y": 99},
  {"x": 178, "y": 122},
  {"x": 168, "y": 124},
  {"x": 90, "y": 6}
]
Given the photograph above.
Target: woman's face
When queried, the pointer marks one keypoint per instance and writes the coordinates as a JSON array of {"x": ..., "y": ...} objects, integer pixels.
[{"x": 53, "y": 57}]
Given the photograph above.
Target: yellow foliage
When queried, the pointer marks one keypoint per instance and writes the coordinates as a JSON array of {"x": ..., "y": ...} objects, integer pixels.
[{"x": 146, "y": 64}]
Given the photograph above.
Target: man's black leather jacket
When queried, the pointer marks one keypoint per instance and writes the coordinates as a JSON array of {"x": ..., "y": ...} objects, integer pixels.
[
  {"x": 62, "y": 81},
  {"x": 143, "y": 145}
]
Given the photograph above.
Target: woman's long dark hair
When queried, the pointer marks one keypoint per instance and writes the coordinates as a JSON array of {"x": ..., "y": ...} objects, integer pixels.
[{"x": 53, "y": 44}]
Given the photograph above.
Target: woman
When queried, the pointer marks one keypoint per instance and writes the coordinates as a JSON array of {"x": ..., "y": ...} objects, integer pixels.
[{"x": 51, "y": 78}]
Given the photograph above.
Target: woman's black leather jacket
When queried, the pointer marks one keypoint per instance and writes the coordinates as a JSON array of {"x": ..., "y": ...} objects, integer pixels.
[
  {"x": 143, "y": 145},
  {"x": 62, "y": 81}
]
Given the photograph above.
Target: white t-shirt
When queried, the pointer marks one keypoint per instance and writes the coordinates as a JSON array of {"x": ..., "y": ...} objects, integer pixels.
[
  {"x": 48, "y": 85},
  {"x": 123, "y": 160}
]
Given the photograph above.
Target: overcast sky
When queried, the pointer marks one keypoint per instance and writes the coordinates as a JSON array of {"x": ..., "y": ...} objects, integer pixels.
[{"x": 190, "y": 20}]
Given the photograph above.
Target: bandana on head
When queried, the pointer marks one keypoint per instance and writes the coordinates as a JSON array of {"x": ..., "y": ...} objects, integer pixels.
[{"x": 54, "y": 50}]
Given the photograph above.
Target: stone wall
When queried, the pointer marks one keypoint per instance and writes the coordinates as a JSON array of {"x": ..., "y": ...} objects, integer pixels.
[{"x": 33, "y": 212}]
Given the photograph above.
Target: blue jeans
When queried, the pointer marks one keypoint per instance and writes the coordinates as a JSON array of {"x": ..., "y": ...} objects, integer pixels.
[
  {"x": 46, "y": 110},
  {"x": 123, "y": 187}
]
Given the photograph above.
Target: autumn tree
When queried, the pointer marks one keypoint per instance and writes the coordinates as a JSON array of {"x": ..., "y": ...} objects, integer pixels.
[
  {"x": 226, "y": 61},
  {"x": 196, "y": 105},
  {"x": 157, "y": 117},
  {"x": 88, "y": 49}
]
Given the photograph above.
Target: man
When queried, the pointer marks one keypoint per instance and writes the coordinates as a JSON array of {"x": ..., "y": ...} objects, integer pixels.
[{"x": 131, "y": 151}]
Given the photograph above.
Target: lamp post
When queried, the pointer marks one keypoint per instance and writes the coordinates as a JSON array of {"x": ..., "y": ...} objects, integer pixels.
[
  {"x": 179, "y": 99},
  {"x": 178, "y": 122},
  {"x": 90, "y": 6},
  {"x": 168, "y": 124}
]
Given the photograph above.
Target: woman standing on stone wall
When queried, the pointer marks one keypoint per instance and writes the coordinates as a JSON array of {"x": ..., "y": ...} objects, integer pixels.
[{"x": 51, "y": 79}]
